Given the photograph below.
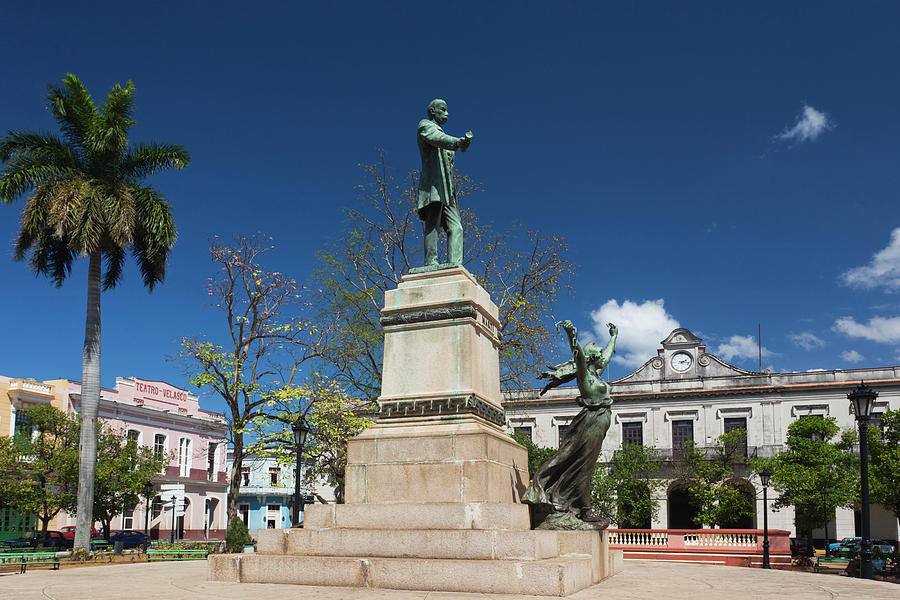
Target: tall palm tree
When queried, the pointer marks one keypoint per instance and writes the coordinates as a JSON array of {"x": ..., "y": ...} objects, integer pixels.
[{"x": 86, "y": 198}]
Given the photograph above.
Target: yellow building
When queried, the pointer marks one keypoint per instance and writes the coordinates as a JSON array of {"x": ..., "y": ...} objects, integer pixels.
[{"x": 17, "y": 395}]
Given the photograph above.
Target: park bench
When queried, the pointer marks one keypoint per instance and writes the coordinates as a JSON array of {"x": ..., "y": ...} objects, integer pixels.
[
  {"x": 176, "y": 554},
  {"x": 21, "y": 560},
  {"x": 828, "y": 564}
]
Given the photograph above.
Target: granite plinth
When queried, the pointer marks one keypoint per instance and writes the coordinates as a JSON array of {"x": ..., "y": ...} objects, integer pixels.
[
  {"x": 444, "y": 342},
  {"x": 455, "y": 459}
]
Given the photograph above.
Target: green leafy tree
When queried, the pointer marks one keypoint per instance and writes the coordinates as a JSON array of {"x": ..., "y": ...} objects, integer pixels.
[
  {"x": 623, "y": 489},
  {"x": 123, "y": 469},
  {"x": 86, "y": 197},
  {"x": 719, "y": 498},
  {"x": 537, "y": 455},
  {"x": 39, "y": 473},
  {"x": 332, "y": 416},
  {"x": 523, "y": 270},
  {"x": 237, "y": 536},
  {"x": 267, "y": 342},
  {"x": 812, "y": 462},
  {"x": 884, "y": 462}
]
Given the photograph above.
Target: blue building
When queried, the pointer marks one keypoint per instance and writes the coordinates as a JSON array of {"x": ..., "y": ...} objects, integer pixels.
[{"x": 267, "y": 492}]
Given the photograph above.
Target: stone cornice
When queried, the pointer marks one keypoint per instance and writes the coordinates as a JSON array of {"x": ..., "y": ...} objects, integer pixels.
[{"x": 458, "y": 405}]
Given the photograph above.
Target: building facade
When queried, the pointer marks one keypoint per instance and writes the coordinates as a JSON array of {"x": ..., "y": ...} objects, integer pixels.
[
  {"x": 685, "y": 393},
  {"x": 189, "y": 497},
  {"x": 266, "y": 497}
]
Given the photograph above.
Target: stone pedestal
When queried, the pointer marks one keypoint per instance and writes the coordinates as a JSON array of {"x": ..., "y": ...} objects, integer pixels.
[{"x": 433, "y": 489}]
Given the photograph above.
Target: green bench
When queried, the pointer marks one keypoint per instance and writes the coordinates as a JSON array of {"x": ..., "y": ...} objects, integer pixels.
[
  {"x": 828, "y": 564},
  {"x": 176, "y": 554},
  {"x": 21, "y": 560}
]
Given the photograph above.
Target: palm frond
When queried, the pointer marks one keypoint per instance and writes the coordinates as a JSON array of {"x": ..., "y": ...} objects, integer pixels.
[
  {"x": 154, "y": 234},
  {"x": 38, "y": 148},
  {"x": 74, "y": 110},
  {"x": 109, "y": 136},
  {"x": 115, "y": 260},
  {"x": 145, "y": 159},
  {"x": 22, "y": 175}
]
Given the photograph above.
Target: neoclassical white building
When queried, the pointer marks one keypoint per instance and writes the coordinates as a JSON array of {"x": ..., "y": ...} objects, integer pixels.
[{"x": 685, "y": 393}]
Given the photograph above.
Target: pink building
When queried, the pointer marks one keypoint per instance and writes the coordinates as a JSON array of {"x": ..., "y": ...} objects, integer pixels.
[{"x": 191, "y": 493}]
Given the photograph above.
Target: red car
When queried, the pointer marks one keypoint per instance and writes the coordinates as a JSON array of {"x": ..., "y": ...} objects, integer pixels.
[{"x": 69, "y": 532}]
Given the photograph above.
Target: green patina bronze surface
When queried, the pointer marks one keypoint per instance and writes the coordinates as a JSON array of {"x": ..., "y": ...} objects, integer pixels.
[
  {"x": 560, "y": 492},
  {"x": 437, "y": 206}
]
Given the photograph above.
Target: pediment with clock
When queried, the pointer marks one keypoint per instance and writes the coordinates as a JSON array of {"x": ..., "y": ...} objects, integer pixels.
[{"x": 682, "y": 356}]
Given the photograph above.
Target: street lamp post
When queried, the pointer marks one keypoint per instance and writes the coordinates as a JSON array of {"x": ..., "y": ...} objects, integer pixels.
[
  {"x": 300, "y": 432},
  {"x": 174, "y": 499},
  {"x": 764, "y": 480},
  {"x": 825, "y": 514},
  {"x": 863, "y": 401}
]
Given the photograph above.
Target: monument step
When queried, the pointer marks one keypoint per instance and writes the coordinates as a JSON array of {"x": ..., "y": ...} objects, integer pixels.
[
  {"x": 548, "y": 577},
  {"x": 428, "y": 543},
  {"x": 473, "y": 515}
]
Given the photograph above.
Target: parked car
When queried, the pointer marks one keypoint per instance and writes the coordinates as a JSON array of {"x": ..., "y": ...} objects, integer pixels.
[
  {"x": 844, "y": 542},
  {"x": 851, "y": 549},
  {"x": 69, "y": 532},
  {"x": 34, "y": 539},
  {"x": 128, "y": 537}
]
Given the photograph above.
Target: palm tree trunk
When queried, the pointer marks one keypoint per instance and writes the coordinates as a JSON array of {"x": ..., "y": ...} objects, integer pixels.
[{"x": 90, "y": 403}]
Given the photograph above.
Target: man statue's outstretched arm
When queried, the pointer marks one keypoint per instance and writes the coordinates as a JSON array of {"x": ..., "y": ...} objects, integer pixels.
[{"x": 431, "y": 133}]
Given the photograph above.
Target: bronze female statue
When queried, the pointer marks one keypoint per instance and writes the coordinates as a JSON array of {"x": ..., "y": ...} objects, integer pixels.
[{"x": 560, "y": 492}]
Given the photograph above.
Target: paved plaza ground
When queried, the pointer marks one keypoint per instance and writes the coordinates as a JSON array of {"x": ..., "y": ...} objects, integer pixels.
[{"x": 639, "y": 580}]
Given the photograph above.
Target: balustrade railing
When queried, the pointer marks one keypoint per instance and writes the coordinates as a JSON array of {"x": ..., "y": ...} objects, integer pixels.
[{"x": 698, "y": 539}]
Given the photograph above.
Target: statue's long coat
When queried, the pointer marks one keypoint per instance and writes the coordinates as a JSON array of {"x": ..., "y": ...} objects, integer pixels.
[{"x": 436, "y": 179}]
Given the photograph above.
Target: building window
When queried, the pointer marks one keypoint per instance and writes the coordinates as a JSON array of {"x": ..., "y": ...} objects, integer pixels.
[
  {"x": 244, "y": 510},
  {"x": 159, "y": 445},
  {"x": 561, "y": 431},
  {"x": 274, "y": 475},
  {"x": 524, "y": 430},
  {"x": 633, "y": 433},
  {"x": 245, "y": 475},
  {"x": 682, "y": 432},
  {"x": 23, "y": 426},
  {"x": 184, "y": 457},
  {"x": 734, "y": 423},
  {"x": 128, "y": 519},
  {"x": 875, "y": 421},
  {"x": 133, "y": 436},
  {"x": 211, "y": 461},
  {"x": 156, "y": 507}
]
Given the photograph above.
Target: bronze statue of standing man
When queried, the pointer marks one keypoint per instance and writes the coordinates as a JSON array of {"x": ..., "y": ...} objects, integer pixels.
[{"x": 437, "y": 206}]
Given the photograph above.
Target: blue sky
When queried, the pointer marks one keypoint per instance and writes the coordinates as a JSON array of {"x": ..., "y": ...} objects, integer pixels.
[{"x": 713, "y": 165}]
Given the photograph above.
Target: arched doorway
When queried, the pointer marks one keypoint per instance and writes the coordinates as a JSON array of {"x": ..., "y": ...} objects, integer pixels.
[
  {"x": 681, "y": 507},
  {"x": 742, "y": 505}
]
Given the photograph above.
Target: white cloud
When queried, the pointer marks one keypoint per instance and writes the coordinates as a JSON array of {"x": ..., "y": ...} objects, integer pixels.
[
  {"x": 883, "y": 269},
  {"x": 810, "y": 124},
  {"x": 641, "y": 328},
  {"x": 806, "y": 340},
  {"x": 852, "y": 356},
  {"x": 878, "y": 329},
  {"x": 741, "y": 346}
]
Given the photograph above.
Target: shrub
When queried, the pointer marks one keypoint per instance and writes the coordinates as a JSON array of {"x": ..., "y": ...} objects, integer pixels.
[{"x": 237, "y": 536}]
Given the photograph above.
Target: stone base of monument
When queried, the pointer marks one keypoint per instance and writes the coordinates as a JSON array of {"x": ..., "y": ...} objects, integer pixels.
[
  {"x": 549, "y": 563},
  {"x": 433, "y": 489}
]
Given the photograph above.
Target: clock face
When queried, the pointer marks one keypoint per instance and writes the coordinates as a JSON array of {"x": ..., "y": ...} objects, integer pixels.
[{"x": 681, "y": 361}]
